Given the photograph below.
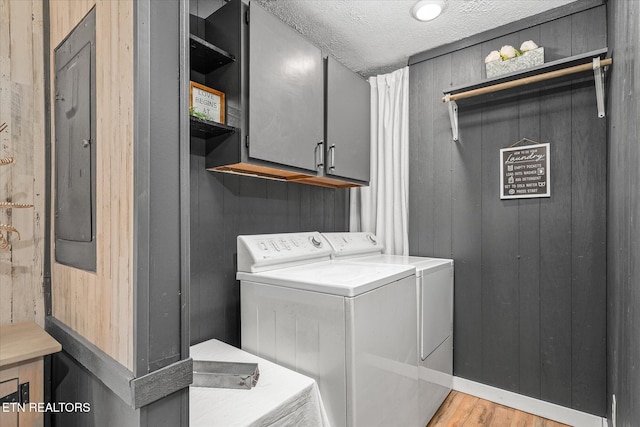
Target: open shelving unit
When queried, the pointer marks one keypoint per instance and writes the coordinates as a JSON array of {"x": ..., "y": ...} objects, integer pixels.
[
  {"x": 206, "y": 129},
  {"x": 590, "y": 61},
  {"x": 205, "y": 58}
]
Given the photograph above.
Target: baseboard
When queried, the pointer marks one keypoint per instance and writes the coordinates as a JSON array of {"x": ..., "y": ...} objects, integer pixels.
[{"x": 528, "y": 404}]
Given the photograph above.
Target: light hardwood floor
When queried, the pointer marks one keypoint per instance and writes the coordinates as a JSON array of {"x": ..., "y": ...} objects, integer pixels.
[{"x": 463, "y": 410}]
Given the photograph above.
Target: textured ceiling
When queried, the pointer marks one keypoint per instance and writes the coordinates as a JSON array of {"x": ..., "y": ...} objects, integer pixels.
[{"x": 378, "y": 36}]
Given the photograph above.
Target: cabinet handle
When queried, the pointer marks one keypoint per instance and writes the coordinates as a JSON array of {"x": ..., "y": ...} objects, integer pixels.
[
  {"x": 319, "y": 154},
  {"x": 332, "y": 156}
]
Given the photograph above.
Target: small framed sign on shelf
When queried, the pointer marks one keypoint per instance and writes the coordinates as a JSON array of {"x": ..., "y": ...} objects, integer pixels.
[{"x": 206, "y": 103}]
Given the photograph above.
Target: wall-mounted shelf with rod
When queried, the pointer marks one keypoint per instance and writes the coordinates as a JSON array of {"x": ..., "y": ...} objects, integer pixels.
[
  {"x": 206, "y": 57},
  {"x": 590, "y": 61}
]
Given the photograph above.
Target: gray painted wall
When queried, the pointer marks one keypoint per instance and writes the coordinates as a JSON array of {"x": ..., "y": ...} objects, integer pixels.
[
  {"x": 224, "y": 206},
  {"x": 73, "y": 383},
  {"x": 530, "y": 275},
  {"x": 623, "y": 296}
]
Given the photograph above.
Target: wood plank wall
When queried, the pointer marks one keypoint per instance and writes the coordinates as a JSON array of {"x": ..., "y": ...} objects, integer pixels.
[
  {"x": 623, "y": 298},
  {"x": 224, "y": 206},
  {"x": 99, "y": 305},
  {"x": 22, "y": 108},
  {"x": 530, "y": 275}
]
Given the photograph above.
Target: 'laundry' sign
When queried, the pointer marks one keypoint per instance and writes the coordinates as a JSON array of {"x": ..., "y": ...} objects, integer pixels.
[{"x": 524, "y": 172}]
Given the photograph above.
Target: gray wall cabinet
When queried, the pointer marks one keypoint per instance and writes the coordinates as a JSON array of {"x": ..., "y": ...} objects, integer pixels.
[
  {"x": 276, "y": 98},
  {"x": 286, "y": 93},
  {"x": 348, "y": 104}
]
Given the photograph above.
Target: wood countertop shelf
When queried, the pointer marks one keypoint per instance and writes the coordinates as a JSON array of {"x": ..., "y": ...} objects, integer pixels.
[{"x": 24, "y": 341}]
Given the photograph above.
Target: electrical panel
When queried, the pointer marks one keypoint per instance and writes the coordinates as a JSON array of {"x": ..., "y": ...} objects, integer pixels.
[{"x": 75, "y": 147}]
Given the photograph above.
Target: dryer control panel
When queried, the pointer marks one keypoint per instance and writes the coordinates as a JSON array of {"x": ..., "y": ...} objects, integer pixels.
[
  {"x": 262, "y": 252},
  {"x": 346, "y": 245}
]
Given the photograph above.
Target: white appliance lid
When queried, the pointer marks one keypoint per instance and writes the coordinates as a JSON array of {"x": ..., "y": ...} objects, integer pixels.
[
  {"x": 421, "y": 264},
  {"x": 344, "y": 278}
]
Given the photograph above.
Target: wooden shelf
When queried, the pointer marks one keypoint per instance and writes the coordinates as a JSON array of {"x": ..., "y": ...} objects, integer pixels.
[
  {"x": 592, "y": 61},
  {"x": 205, "y": 129},
  {"x": 206, "y": 57}
]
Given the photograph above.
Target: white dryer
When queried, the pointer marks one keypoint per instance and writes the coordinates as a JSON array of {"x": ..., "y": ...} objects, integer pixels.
[
  {"x": 349, "y": 325},
  {"x": 434, "y": 297}
]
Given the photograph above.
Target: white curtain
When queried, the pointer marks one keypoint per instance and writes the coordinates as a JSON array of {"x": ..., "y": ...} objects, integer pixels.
[{"x": 382, "y": 208}]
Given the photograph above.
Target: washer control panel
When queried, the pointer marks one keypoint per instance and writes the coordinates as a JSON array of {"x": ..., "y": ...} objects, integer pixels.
[
  {"x": 346, "y": 245},
  {"x": 262, "y": 252}
]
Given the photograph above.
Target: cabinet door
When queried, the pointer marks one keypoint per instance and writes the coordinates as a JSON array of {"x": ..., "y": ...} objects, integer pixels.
[
  {"x": 285, "y": 93},
  {"x": 10, "y": 379},
  {"x": 9, "y": 412},
  {"x": 348, "y": 117}
]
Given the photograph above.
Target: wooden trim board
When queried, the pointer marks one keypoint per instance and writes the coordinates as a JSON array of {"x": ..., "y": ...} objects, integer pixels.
[
  {"x": 111, "y": 373},
  {"x": 185, "y": 206},
  {"x": 158, "y": 384},
  {"x": 134, "y": 391},
  {"x": 528, "y": 404}
]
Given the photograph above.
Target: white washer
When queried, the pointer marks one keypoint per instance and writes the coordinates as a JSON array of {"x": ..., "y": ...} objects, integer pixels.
[
  {"x": 349, "y": 325},
  {"x": 434, "y": 295}
]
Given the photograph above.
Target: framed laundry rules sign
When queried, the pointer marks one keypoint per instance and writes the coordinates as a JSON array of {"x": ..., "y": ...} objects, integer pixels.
[
  {"x": 206, "y": 103},
  {"x": 525, "y": 172}
]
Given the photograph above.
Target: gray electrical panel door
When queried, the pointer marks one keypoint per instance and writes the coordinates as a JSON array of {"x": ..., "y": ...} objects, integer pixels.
[
  {"x": 75, "y": 138},
  {"x": 348, "y": 123},
  {"x": 286, "y": 102}
]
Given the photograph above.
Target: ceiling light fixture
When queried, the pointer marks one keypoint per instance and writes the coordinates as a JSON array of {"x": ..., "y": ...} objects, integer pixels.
[{"x": 426, "y": 10}]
